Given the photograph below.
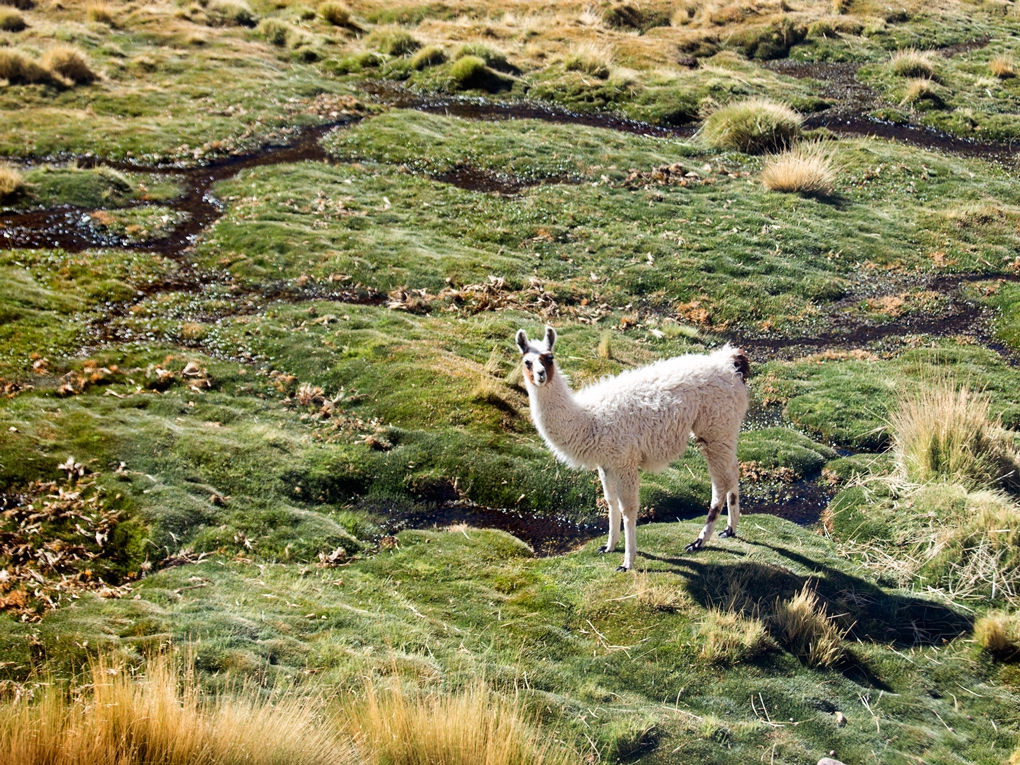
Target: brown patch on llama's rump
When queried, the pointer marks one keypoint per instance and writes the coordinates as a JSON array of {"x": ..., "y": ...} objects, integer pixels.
[{"x": 742, "y": 365}]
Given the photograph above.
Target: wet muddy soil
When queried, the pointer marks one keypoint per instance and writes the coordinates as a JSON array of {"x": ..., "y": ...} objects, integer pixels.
[
  {"x": 802, "y": 502},
  {"x": 67, "y": 227}
]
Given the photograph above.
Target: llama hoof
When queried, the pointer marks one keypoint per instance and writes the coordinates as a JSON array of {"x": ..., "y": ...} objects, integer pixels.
[
  {"x": 727, "y": 532},
  {"x": 622, "y": 568},
  {"x": 604, "y": 549},
  {"x": 697, "y": 544}
]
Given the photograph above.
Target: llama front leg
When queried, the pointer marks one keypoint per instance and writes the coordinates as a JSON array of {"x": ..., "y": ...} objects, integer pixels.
[
  {"x": 722, "y": 467},
  {"x": 629, "y": 488},
  {"x": 609, "y": 481}
]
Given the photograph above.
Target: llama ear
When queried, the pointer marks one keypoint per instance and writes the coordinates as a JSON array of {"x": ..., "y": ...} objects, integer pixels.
[
  {"x": 522, "y": 341},
  {"x": 550, "y": 338}
]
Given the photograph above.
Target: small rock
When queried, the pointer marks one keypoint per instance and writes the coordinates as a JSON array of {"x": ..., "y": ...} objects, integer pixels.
[
  {"x": 840, "y": 719},
  {"x": 829, "y": 761}
]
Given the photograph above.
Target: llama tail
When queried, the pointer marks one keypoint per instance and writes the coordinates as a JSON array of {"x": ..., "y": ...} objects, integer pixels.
[{"x": 741, "y": 364}]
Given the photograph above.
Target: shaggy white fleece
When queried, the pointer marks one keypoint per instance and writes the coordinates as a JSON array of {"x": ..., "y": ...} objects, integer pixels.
[{"x": 643, "y": 419}]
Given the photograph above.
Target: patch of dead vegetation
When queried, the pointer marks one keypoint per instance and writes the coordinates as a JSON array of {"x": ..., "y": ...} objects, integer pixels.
[{"x": 54, "y": 542}]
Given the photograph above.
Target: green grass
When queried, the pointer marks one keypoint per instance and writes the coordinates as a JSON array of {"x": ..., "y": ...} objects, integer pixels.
[
  {"x": 444, "y": 606},
  {"x": 261, "y": 410}
]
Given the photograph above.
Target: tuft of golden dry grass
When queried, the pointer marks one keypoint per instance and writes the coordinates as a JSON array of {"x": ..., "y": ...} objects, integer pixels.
[
  {"x": 17, "y": 68},
  {"x": 802, "y": 171},
  {"x": 913, "y": 63},
  {"x": 754, "y": 126},
  {"x": 1003, "y": 67},
  {"x": 730, "y": 638},
  {"x": 804, "y": 627},
  {"x": 474, "y": 727},
  {"x": 590, "y": 58},
  {"x": 945, "y": 433},
  {"x": 659, "y": 593},
  {"x": 100, "y": 13},
  {"x": 920, "y": 89},
  {"x": 10, "y": 180},
  {"x": 998, "y": 632},
  {"x": 10, "y": 20},
  {"x": 163, "y": 717},
  {"x": 335, "y": 13},
  {"x": 68, "y": 63}
]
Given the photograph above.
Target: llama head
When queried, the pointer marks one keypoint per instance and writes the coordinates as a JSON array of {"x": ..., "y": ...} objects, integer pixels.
[{"x": 537, "y": 359}]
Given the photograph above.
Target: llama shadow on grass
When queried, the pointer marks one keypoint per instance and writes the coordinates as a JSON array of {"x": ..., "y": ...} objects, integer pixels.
[{"x": 871, "y": 613}]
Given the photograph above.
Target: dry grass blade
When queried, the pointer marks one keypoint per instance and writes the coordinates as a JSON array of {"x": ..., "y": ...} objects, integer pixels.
[{"x": 806, "y": 171}]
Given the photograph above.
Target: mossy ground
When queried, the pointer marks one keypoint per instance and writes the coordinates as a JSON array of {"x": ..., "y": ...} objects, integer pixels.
[{"x": 263, "y": 407}]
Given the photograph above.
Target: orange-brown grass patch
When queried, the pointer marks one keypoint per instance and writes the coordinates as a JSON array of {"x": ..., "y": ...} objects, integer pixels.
[
  {"x": 998, "y": 633},
  {"x": 804, "y": 627},
  {"x": 806, "y": 171},
  {"x": 913, "y": 63},
  {"x": 68, "y": 63},
  {"x": 18, "y": 69},
  {"x": 163, "y": 717},
  {"x": 10, "y": 180},
  {"x": 473, "y": 727},
  {"x": 100, "y": 13},
  {"x": 1003, "y": 67}
]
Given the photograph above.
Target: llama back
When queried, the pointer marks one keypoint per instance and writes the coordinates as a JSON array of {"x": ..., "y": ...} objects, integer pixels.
[{"x": 654, "y": 385}]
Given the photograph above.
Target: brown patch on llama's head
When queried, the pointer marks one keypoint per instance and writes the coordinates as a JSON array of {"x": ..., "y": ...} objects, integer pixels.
[{"x": 537, "y": 361}]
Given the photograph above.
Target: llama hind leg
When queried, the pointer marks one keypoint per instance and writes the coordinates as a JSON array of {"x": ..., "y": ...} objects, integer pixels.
[
  {"x": 609, "y": 487},
  {"x": 722, "y": 467},
  {"x": 629, "y": 487}
]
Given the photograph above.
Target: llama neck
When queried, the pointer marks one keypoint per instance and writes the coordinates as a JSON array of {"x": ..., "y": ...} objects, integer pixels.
[{"x": 558, "y": 417}]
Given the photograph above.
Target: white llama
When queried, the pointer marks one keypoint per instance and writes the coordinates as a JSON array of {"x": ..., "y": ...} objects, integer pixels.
[{"x": 643, "y": 419}]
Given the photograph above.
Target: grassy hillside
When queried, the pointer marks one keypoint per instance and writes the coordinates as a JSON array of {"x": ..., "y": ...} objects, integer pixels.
[{"x": 265, "y": 449}]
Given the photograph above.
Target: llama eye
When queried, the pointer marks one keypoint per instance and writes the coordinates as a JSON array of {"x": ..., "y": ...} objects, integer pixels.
[{"x": 527, "y": 364}]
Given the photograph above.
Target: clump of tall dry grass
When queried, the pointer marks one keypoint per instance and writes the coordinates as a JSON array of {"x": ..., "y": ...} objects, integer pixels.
[
  {"x": 18, "y": 69},
  {"x": 804, "y": 627},
  {"x": 998, "y": 632},
  {"x": 913, "y": 63},
  {"x": 801, "y": 171},
  {"x": 591, "y": 59},
  {"x": 336, "y": 13},
  {"x": 754, "y": 126},
  {"x": 163, "y": 717},
  {"x": 474, "y": 727},
  {"x": 100, "y": 13},
  {"x": 10, "y": 180},
  {"x": 730, "y": 638},
  {"x": 68, "y": 63},
  {"x": 945, "y": 433},
  {"x": 1003, "y": 67},
  {"x": 11, "y": 20},
  {"x": 921, "y": 90}
]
